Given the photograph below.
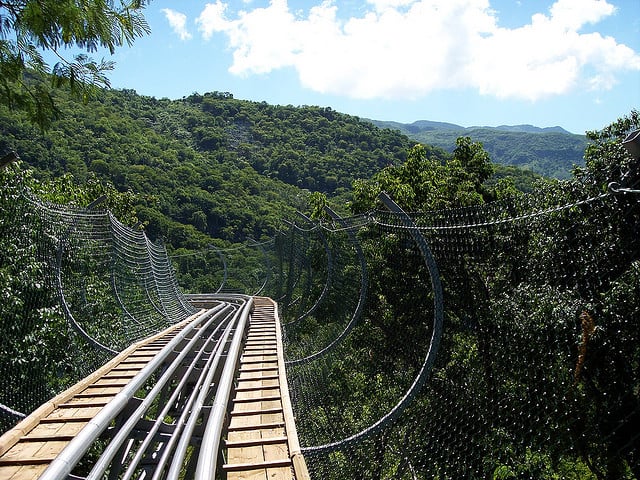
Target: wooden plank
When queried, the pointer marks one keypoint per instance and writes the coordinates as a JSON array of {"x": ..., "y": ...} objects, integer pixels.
[
  {"x": 256, "y": 397},
  {"x": 109, "y": 382},
  {"x": 127, "y": 367},
  {"x": 258, "y": 443},
  {"x": 257, "y": 474},
  {"x": 299, "y": 465},
  {"x": 87, "y": 402},
  {"x": 245, "y": 376},
  {"x": 256, "y": 431},
  {"x": 98, "y": 390},
  {"x": 257, "y": 404},
  {"x": 265, "y": 383},
  {"x": 261, "y": 356},
  {"x": 255, "y": 451},
  {"x": 18, "y": 451},
  {"x": 286, "y": 462},
  {"x": 9, "y": 472},
  {"x": 71, "y": 413},
  {"x": 21, "y": 472},
  {"x": 248, "y": 442},
  {"x": 257, "y": 411},
  {"x": 262, "y": 367},
  {"x": 248, "y": 360}
]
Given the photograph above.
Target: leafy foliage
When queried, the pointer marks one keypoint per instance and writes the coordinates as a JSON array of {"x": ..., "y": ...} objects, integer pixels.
[
  {"x": 205, "y": 169},
  {"x": 35, "y": 338},
  {"x": 28, "y": 27},
  {"x": 536, "y": 375}
]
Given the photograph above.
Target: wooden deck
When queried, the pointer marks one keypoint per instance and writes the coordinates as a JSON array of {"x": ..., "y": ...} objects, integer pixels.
[{"x": 261, "y": 441}]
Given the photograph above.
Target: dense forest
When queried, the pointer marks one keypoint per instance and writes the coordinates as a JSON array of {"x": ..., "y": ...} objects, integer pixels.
[
  {"x": 536, "y": 371},
  {"x": 207, "y": 163},
  {"x": 210, "y": 168},
  {"x": 513, "y": 393},
  {"x": 200, "y": 171},
  {"x": 536, "y": 376}
]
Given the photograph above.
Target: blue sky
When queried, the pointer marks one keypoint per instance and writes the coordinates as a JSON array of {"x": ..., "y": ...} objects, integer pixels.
[{"x": 573, "y": 63}]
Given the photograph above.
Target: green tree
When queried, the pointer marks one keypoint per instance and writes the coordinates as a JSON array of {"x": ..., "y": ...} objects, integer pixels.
[
  {"x": 560, "y": 290},
  {"x": 35, "y": 357},
  {"x": 474, "y": 158},
  {"x": 430, "y": 180},
  {"x": 29, "y": 27}
]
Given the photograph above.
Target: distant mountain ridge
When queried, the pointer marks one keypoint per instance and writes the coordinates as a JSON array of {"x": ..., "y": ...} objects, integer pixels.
[
  {"x": 429, "y": 125},
  {"x": 549, "y": 151},
  {"x": 529, "y": 129}
]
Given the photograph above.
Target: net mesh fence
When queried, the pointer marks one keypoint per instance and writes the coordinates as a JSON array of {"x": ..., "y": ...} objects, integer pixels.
[
  {"x": 493, "y": 341},
  {"x": 243, "y": 268},
  {"x": 78, "y": 287},
  {"x": 524, "y": 366}
]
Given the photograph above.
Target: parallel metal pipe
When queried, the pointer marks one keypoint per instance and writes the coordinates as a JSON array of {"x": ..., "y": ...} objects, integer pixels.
[
  {"x": 196, "y": 409},
  {"x": 187, "y": 415},
  {"x": 207, "y": 460},
  {"x": 64, "y": 463},
  {"x": 122, "y": 435}
]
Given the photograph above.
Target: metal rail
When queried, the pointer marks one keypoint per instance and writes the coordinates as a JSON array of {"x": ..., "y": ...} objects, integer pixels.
[
  {"x": 434, "y": 342},
  {"x": 187, "y": 386},
  {"x": 211, "y": 439},
  {"x": 28, "y": 448},
  {"x": 163, "y": 408},
  {"x": 364, "y": 285}
]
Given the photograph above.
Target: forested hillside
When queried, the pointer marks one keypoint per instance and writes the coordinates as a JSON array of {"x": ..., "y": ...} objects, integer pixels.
[
  {"x": 207, "y": 166},
  {"x": 552, "y": 151},
  {"x": 210, "y": 169}
]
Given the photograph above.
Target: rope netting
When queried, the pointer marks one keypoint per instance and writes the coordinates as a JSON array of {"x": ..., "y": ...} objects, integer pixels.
[
  {"x": 496, "y": 341},
  {"x": 77, "y": 287},
  {"x": 232, "y": 268}
]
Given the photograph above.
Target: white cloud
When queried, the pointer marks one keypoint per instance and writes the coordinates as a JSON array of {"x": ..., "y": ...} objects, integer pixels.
[
  {"x": 407, "y": 48},
  {"x": 212, "y": 19},
  {"x": 573, "y": 14},
  {"x": 178, "y": 22}
]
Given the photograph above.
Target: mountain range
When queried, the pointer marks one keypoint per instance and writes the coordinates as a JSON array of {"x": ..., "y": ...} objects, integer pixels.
[{"x": 549, "y": 151}]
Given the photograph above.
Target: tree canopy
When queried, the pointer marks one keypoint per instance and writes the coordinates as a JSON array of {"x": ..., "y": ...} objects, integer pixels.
[
  {"x": 536, "y": 372},
  {"x": 30, "y": 27}
]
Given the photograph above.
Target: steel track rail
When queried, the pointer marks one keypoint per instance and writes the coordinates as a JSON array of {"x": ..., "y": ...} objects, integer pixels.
[
  {"x": 151, "y": 422},
  {"x": 63, "y": 465},
  {"x": 28, "y": 448}
]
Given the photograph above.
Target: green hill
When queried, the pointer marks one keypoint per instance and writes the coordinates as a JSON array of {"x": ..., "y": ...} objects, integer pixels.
[
  {"x": 206, "y": 166},
  {"x": 210, "y": 168}
]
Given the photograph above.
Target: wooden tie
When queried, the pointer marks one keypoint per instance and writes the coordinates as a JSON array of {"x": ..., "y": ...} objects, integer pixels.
[{"x": 261, "y": 441}]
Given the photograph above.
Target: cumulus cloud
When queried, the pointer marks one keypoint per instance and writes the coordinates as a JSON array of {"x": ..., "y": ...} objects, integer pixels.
[
  {"x": 407, "y": 48},
  {"x": 178, "y": 22}
]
